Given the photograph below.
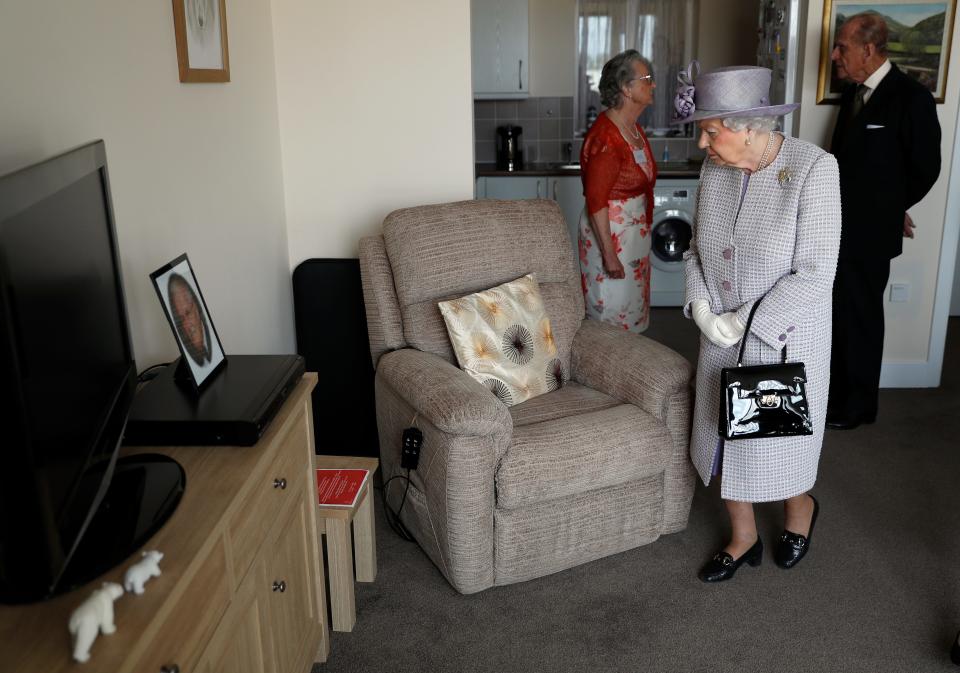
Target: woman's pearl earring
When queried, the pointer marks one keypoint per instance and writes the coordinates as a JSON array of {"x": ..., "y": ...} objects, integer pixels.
[{"x": 749, "y": 140}]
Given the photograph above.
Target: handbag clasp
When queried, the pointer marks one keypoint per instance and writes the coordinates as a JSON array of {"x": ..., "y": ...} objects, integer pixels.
[{"x": 768, "y": 400}]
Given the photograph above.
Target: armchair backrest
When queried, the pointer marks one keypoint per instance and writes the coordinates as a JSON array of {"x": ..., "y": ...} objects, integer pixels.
[{"x": 433, "y": 253}]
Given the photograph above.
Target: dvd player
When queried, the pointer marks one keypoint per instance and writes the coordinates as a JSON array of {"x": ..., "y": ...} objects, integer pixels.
[{"x": 234, "y": 409}]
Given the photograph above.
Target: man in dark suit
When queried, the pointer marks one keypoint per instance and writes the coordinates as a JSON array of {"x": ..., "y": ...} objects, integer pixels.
[{"x": 887, "y": 143}]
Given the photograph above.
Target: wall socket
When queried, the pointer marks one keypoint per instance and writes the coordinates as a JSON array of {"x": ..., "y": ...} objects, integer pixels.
[{"x": 899, "y": 292}]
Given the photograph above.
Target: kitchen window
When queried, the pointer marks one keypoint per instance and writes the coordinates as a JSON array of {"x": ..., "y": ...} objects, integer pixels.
[{"x": 663, "y": 31}]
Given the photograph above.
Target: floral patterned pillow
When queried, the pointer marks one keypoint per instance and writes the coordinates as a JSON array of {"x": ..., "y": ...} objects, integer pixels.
[{"x": 502, "y": 338}]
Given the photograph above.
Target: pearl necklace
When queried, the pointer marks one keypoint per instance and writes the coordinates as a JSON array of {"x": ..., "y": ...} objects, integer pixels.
[{"x": 766, "y": 152}]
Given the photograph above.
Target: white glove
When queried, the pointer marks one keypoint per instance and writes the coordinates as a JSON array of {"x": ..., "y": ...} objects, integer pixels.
[{"x": 723, "y": 330}]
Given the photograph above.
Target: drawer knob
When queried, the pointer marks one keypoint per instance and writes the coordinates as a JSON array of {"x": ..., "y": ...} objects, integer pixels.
[
  {"x": 172, "y": 668},
  {"x": 280, "y": 483},
  {"x": 280, "y": 586}
]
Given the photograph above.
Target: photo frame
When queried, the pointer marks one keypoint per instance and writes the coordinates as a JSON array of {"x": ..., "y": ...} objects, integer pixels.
[
  {"x": 200, "y": 27},
  {"x": 920, "y": 36},
  {"x": 201, "y": 354}
]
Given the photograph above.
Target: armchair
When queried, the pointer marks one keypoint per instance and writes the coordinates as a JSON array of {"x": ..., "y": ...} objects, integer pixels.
[{"x": 507, "y": 494}]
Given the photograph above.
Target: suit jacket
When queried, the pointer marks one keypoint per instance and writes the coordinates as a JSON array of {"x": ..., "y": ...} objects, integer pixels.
[{"x": 889, "y": 158}]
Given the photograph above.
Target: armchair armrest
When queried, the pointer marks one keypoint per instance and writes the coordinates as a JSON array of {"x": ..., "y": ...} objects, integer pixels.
[
  {"x": 631, "y": 367},
  {"x": 450, "y": 399},
  {"x": 466, "y": 431},
  {"x": 638, "y": 370}
]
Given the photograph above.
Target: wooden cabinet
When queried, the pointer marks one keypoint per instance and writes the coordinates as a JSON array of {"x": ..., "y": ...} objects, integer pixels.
[
  {"x": 500, "y": 46},
  {"x": 242, "y": 587}
]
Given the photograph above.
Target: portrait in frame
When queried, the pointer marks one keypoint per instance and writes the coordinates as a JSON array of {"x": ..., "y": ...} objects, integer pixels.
[
  {"x": 919, "y": 43},
  {"x": 200, "y": 27},
  {"x": 186, "y": 311}
]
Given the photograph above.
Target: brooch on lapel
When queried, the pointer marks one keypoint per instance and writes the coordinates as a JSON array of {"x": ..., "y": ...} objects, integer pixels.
[{"x": 784, "y": 176}]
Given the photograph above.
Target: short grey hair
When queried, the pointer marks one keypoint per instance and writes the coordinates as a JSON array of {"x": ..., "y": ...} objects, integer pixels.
[
  {"x": 617, "y": 73},
  {"x": 737, "y": 124},
  {"x": 870, "y": 28}
]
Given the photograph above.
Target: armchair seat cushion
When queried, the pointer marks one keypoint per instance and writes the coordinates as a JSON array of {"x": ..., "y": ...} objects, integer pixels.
[
  {"x": 562, "y": 457},
  {"x": 570, "y": 400}
]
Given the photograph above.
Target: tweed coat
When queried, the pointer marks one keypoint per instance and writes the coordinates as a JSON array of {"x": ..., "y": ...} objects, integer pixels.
[{"x": 783, "y": 243}]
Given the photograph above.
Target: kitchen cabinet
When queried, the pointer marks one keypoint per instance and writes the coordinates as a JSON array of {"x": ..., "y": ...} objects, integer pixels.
[
  {"x": 566, "y": 190},
  {"x": 500, "y": 48}
]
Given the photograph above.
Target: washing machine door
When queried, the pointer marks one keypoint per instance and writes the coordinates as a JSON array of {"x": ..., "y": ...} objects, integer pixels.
[{"x": 670, "y": 238}]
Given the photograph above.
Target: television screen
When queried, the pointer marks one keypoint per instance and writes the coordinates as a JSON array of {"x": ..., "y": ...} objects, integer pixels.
[{"x": 67, "y": 371}]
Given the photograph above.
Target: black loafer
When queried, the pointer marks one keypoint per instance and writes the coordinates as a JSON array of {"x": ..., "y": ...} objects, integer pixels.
[
  {"x": 791, "y": 547},
  {"x": 722, "y": 566},
  {"x": 841, "y": 423}
]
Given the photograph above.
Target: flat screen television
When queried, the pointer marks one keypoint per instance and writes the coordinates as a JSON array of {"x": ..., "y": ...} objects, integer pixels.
[{"x": 67, "y": 380}]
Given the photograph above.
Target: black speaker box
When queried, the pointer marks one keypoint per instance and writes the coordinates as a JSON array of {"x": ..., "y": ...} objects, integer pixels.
[{"x": 332, "y": 337}]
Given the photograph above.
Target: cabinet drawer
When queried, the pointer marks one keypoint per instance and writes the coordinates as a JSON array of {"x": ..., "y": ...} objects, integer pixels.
[
  {"x": 275, "y": 488},
  {"x": 192, "y": 620}
]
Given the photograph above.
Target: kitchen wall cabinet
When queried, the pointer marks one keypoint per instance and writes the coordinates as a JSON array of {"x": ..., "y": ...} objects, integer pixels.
[{"x": 500, "y": 39}]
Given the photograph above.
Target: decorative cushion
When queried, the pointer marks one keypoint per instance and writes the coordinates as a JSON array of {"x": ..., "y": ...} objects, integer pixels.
[{"x": 502, "y": 338}]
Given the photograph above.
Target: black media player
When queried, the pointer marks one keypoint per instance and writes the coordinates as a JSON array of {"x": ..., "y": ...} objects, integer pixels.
[{"x": 234, "y": 409}]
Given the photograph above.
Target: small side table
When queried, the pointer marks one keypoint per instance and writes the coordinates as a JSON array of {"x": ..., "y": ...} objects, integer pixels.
[{"x": 334, "y": 523}]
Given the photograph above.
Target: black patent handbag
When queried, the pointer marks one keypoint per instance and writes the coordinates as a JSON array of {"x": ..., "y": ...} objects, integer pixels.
[{"x": 763, "y": 400}]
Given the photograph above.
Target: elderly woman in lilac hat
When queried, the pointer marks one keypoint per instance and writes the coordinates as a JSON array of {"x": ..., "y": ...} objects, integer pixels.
[{"x": 767, "y": 227}]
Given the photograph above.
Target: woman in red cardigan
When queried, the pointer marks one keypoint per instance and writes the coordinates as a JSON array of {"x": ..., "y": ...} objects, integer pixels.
[{"x": 618, "y": 173}]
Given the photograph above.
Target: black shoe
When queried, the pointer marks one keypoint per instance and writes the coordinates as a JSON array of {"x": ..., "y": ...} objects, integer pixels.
[
  {"x": 955, "y": 650},
  {"x": 722, "y": 566},
  {"x": 791, "y": 547},
  {"x": 837, "y": 422}
]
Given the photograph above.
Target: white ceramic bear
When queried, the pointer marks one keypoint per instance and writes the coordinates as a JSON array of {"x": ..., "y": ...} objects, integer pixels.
[
  {"x": 141, "y": 571},
  {"x": 93, "y": 615}
]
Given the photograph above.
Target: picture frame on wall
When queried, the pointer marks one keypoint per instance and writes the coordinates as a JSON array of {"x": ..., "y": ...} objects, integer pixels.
[
  {"x": 200, "y": 27},
  {"x": 201, "y": 354},
  {"x": 919, "y": 43}
]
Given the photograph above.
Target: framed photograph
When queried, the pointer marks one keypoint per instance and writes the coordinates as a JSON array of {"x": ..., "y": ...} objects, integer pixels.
[
  {"x": 919, "y": 43},
  {"x": 201, "y": 31},
  {"x": 189, "y": 319}
]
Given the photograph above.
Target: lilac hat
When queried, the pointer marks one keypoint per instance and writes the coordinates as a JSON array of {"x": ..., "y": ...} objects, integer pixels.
[{"x": 737, "y": 91}]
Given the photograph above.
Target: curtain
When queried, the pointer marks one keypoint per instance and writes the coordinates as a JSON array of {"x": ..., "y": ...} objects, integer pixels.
[{"x": 661, "y": 30}]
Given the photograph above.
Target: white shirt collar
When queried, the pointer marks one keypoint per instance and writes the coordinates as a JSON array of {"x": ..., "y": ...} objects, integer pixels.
[{"x": 873, "y": 81}]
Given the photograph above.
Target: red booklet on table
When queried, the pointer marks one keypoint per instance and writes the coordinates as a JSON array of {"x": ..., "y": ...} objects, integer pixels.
[{"x": 340, "y": 488}]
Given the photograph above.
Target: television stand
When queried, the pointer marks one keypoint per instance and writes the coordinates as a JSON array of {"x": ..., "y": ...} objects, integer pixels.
[{"x": 242, "y": 585}]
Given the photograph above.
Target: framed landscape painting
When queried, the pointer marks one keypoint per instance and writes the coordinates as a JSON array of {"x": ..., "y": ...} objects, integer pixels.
[{"x": 919, "y": 42}]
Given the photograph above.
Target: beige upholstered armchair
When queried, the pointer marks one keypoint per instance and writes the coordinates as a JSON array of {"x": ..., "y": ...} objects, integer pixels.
[{"x": 505, "y": 494}]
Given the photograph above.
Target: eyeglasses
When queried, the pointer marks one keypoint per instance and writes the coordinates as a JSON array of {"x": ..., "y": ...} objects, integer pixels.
[{"x": 642, "y": 78}]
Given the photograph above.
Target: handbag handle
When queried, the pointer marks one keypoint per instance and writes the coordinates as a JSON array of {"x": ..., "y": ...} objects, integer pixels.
[{"x": 746, "y": 333}]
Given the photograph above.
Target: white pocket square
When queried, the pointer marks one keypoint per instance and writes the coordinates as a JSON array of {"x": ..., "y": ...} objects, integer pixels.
[{"x": 874, "y": 126}]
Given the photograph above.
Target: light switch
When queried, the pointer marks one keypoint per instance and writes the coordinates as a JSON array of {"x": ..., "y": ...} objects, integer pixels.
[{"x": 899, "y": 292}]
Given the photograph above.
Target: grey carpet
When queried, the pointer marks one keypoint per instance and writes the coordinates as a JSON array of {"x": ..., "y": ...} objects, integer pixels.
[{"x": 879, "y": 591}]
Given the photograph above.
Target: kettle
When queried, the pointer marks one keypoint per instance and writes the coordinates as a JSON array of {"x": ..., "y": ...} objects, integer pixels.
[{"x": 509, "y": 152}]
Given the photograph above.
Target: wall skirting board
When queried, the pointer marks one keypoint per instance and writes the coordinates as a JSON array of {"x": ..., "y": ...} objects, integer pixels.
[{"x": 910, "y": 374}]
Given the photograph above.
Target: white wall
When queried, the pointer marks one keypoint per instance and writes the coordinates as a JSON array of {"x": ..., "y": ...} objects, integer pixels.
[
  {"x": 193, "y": 167},
  {"x": 908, "y": 325},
  {"x": 376, "y": 113},
  {"x": 553, "y": 47}
]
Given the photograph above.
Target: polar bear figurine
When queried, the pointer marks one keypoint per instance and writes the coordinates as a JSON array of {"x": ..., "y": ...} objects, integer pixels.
[
  {"x": 141, "y": 571},
  {"x": 93, "y": 615}
]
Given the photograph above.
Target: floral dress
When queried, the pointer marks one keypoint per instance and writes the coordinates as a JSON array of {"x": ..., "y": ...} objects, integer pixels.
[{"x": 619, "y": 177}]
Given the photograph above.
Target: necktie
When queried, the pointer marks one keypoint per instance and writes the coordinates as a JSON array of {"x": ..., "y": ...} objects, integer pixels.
[{"x": 857, "y": 103}]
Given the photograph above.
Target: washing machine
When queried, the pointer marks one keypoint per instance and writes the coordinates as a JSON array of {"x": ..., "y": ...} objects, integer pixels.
[{"x": 674, "y": 205}]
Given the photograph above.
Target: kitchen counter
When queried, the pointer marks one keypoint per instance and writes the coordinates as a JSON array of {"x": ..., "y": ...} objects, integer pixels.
[{"x": 666, "y": 169}]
